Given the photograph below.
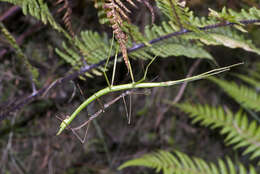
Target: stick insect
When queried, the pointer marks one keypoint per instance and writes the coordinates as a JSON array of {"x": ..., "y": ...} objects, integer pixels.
[
  {"x": 96, "y": 114},
  {"x": 134, "y": 85}
]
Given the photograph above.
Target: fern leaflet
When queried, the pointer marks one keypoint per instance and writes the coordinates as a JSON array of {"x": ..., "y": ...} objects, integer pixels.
[
  {"x": 244, "y": 95},
  {"x": 180, "y": 163},
  {"x": 239, "y": 131},
  {"x": 23, "y": 58},
  {"x": 38, "y": 9}
]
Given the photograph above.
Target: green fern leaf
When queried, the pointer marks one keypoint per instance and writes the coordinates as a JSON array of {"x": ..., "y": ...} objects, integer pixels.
[
  {"x": 23, "y": 58},
  {"x": 252, "y": 81},
  {"x": 171, "y": 47},
  {"x": 178, "y": 14},
  {"x": 180, "y": 163},
  {"x": 231, "y": 39},
  {"x": 242, "y": 94},
  {"x": 39, "y": 10},
  {"x": 189, "y": 45},
  {"x": 90, "y": 46},
  {"x": 233, "y": 16},
  {"x": 239, "y": 132}
]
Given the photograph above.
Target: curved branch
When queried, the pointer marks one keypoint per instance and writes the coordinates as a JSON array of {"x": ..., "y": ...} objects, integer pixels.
[
  {"x": 29, "y": 98},
  {"x": 10, "y": 12}
]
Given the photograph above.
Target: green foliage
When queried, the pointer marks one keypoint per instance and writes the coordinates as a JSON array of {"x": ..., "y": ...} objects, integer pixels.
[
  {"x": 175, "y": 11},
  {"x": 23, "y": 58},
  {"x": 250, "y": 80},
  {"x": 244, "y": 95},
  {"x": 173, "y": 46},
  {"x": 38, "y": 9},
  {"x": 236, "y": 17},
  {"x": 93, "y": 47},
  {"x": 240, "y": 132},
  {"x": 180, "y": 163}
]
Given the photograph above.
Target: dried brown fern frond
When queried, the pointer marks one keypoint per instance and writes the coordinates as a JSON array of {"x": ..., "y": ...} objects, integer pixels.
[
  {"x": 67, "y": 15},
  {"x": 117, "y": 12},
  {"x": 150, "y": 8}
]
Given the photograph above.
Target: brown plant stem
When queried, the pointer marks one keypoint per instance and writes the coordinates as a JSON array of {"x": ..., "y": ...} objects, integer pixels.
[{"x": 10, "y": 12}]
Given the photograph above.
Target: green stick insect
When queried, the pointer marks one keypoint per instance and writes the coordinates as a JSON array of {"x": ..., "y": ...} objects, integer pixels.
[{"x": 135, "y": 85}]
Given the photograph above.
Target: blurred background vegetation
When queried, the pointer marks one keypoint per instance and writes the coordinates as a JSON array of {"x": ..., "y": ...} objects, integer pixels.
[{"x": 28, "y": 141}]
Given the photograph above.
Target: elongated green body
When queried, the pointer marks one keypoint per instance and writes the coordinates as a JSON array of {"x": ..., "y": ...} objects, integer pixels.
[{"x": 110, "y": 89}]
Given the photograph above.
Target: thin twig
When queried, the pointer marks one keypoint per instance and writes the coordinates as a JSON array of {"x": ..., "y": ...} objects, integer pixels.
[
  {"x": 8, "y": 147},
  {"x": 33, "y": 29},
  {"x": 10, "y": 12},
  {"x": 184, "y": 85}
]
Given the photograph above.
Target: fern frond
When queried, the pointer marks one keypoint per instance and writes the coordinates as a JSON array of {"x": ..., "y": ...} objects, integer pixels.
[
  {"x": 235, "y": 17},
  {"x": 239, "y": 131},
  {"x": 173, "y": 11},
  {"x": 102, "y": 15},
  {"x": 150, "y": 8},
  {"x": 23, "y": 58},
  {"x": 175, "y": 46},
  {"x": 255, "y": 74},
  {"x": 224, "y": 36},
  {"x": 232, "y": 39},
  {"x": 116, "y": 12},
  {"x": 252, "y": 81},
  {"x": 67, "y": 15},
  {"x": 38, "y": 9},
  {"x": 244, "y": 95},
  {"x": 180, "y": 163},
  {"x": 93, "y": 47},
  {"x": 188, "y": 45}
]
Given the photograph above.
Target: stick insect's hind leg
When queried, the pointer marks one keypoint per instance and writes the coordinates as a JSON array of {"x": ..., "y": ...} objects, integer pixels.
[
  {"x": 130, "y": 71},
  {"x": 128, "y": 111},
  {"x": 34, "y": 90},
  {"x": 101, "y": 104},
  {"x": 109, "y": 55},
  {"x": 82, "y": 140},
  {"x": 74, "y": 91}
]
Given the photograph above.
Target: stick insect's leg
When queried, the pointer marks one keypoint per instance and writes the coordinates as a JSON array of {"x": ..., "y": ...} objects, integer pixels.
[
  {"x": 34, "y": 90},
  {"x": 109, "y": 55},
  {"x": 130, "y": 108},
  {"x": 131, "y": 72},
  {"x": 126, "y": 110},
  {"x": 77, "y": 135},
  {"x": 95, "y": 115},
  {"x": 114, "y": 68},
  {"x": 101, "y": 104},
  {"x": 80, "y": 90},
  {"x": 146, "y": 70},
  {"x": 74, "y": 91}
]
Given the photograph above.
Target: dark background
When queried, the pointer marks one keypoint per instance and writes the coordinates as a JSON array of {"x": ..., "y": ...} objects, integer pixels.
[{"x": 28, "y": 141}]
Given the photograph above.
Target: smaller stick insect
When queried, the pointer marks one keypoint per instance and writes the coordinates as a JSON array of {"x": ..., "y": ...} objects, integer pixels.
[{"x": 95, "y": 115}]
